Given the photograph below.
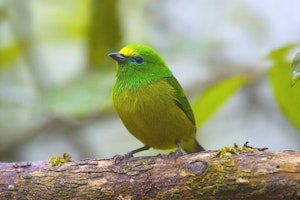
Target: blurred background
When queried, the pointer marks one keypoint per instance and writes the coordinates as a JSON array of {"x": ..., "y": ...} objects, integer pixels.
[{"x": 56, "y": 77}]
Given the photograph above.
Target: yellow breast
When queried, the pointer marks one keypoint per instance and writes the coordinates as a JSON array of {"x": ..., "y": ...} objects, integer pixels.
[{"x": 151, "y": 115}]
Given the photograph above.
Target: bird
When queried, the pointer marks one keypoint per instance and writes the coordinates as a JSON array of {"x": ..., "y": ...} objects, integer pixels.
[{"x": 151, "y": 103}]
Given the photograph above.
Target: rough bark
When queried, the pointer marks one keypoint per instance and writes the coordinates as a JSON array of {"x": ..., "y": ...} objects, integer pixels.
[{"x": 259, "y": 175}]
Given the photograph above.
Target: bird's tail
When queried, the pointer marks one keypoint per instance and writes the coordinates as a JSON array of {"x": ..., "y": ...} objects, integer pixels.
[{"x": 191, "y": 146}]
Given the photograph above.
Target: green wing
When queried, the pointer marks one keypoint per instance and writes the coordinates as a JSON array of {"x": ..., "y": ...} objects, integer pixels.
[{"x": 180, "y": 98}]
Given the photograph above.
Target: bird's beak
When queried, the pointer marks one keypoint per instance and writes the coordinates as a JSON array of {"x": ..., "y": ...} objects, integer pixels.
[{"x": 118, "y": 57}]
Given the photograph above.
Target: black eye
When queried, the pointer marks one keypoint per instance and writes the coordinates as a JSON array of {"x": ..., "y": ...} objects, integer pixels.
[{"x": 139, "y": 60}]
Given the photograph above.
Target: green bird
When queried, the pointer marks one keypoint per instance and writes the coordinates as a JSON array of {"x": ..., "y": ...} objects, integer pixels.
[{"x": 151, "y": 103}]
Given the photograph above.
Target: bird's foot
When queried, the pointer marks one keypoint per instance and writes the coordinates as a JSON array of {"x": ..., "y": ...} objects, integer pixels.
[
  {"x": 118, "y": 158},
  {"x": 128, "y": 155},
  {"x": 178, "y": 151},
  {"x": 176, "y": 154}
]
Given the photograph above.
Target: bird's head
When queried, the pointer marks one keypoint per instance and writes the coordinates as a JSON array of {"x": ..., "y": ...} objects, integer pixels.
[{"x": 140, "y": 62}]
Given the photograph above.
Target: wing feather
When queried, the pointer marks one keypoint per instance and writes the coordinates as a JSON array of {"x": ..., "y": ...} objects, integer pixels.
[{"x": 180, "y": 98}]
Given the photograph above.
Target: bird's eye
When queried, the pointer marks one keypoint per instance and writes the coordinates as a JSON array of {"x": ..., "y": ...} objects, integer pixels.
[{"x": 139, "y": 60}]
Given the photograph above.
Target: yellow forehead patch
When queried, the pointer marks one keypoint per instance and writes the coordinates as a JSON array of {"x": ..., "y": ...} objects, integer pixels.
[{"x": 128, "y": 52}]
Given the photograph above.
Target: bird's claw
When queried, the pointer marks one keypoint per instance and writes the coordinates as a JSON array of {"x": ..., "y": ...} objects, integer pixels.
[
  {"x": 176, "y": 154},
  {"x": 118, "y": 158}
]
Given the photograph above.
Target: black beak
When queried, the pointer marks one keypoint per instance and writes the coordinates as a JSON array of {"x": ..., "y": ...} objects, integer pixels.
[{"x": 118, "y": 57}]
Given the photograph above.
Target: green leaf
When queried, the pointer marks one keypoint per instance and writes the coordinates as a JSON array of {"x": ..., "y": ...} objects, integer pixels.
[
  {"x": 295, "y": 73},
  {"x": 280, "y": 54},
  {"x": 287, "y": 97},
  {"x": 214, "y": 97}
]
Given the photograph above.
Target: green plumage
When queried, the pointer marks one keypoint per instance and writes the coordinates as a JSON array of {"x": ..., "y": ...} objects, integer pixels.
[{"x": 150, "y": 101}]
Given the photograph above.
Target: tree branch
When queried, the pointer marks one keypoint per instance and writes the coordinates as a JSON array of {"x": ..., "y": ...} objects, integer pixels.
[{"x": 259, "y": 175}]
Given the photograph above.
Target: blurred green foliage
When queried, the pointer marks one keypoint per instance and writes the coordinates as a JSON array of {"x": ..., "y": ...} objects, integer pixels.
[
  {"x": 280, "y": 54},
  {"x": 9, "y": 49},
  {"x": 104, "y": 33},
  {"x": 295, "y": 73},
  {"x": 60, "y": 20},
  {"x": 90, "y": 94},
  {"x": 9, "y": 54},
  {"x": 215, "y": 96},
  {"x": 86, "y": 97},
  {"x": 286, "y": 96},
  {"x": 30, "y": 35}
]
